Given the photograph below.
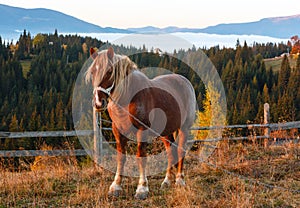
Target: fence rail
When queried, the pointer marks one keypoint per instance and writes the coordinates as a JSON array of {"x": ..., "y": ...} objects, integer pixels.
[
  {"x": 274, "y": 126},
  {"x": 49, "y": 134},
  {"x": 80, "y": 152},
  {"x": 33, "y": 153}
]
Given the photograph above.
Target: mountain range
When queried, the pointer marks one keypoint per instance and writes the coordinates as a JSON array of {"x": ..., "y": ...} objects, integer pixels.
[{"x": 15, "y": 20}]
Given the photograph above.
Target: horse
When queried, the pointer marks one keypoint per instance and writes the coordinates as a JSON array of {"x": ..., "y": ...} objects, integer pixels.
[{"x": 162, "y": 107}]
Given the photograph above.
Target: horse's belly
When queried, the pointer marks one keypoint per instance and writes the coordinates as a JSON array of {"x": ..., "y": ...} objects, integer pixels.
[{"x": 155, "y": 110}]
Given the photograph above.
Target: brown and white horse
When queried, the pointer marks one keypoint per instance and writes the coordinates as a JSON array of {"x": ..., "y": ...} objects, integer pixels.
[{"x": 161, "y": 107}]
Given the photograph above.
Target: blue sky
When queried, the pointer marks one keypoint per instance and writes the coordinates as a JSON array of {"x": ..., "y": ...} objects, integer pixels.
[{"x": 162, "y": 13}]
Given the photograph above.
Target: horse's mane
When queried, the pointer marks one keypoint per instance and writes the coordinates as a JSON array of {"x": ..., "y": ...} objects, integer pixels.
[{"x": 122, "y": 66}]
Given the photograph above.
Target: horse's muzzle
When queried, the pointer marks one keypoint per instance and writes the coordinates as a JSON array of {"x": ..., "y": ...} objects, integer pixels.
[{"x": 100, "y": 105}]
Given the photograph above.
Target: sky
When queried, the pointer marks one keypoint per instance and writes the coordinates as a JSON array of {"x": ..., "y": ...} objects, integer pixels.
[{"x": 162, "y": 13}]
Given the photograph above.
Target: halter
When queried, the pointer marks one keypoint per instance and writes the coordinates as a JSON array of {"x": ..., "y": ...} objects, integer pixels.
[{"x": 106, "y": 91}]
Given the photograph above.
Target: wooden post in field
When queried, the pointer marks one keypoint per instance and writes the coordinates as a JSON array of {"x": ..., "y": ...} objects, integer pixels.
[
  {"x": 97, "y": 135},
  {"x": 100, "y": 141},
  {"x": 266, "y": 122}
]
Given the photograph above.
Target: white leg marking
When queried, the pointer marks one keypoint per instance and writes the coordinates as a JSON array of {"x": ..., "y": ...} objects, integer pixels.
[
  {"x": 143, "y": 185},
  {"x": 142, "y": 189},
  {"x": 179, "y": 179},
  {"x": 166, "y": 182},
  {"x": 115, "y": 187},
  {"x": 142, "y": 192}
]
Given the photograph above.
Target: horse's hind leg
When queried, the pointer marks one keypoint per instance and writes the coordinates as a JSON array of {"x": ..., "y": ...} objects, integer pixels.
[
  {"x": 121, "y": 142},
  {"x": 183, "y": 135},
  {"x": 171, "y": 149},
  {"x": 141, "y": 156}
]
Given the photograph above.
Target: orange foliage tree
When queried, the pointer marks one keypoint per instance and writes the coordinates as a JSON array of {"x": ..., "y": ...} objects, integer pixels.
[{"x": 295, "y": 43}]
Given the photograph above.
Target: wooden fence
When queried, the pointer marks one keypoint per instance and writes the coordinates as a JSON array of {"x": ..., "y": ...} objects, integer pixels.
[{"x": 98, "y": 140}]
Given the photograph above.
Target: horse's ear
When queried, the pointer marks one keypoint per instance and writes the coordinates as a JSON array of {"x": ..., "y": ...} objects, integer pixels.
[
  {"x": 110, "y": 53},
  {"x": 93, "y": 53}
]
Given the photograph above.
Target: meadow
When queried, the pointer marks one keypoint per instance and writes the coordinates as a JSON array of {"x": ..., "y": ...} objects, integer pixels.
[
  {"x": 238, "y": 174},
  {"x": 275, "y": 63}
]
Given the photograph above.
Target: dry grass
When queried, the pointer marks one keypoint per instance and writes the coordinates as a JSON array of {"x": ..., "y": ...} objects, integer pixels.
[{"x": 62, "y": 182}]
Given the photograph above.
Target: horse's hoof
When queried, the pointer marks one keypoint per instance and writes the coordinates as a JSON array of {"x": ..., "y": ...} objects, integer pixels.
[
  {"x": 114, "y": 190},
  {"x": 141, "y": 195},
  {"x": 165, "y": 185},
  {"x": 180, "y": 182},
  {"x": 115, "y": 193}
]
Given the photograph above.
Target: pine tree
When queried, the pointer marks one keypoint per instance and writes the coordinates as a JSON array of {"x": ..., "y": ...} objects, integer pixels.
[
  {"x": 52, "y": 122},
  {"x": 59, "y": 115},
  {"x": 14, "y": 124},
  {"x": 284, "y": 75},
  {"x": 293, "y": 88},
  {"x": 32, "y": 125},
  {"x": 266, "y": 96},
  {"x": 286, "y": 108}
]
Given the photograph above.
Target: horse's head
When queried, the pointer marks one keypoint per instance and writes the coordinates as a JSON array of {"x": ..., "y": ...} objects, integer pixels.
[{"x": 101, "y": 72}]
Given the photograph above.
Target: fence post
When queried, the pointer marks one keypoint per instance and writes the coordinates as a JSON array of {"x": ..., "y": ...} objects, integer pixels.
[
  {"x": 97, "y": 134},
  {"x": 266, "y": 122},
  {"x": 100, "y": 141}
]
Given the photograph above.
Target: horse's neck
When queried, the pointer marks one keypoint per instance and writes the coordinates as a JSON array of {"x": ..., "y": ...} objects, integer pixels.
[
  {"x": 118, "y": 105},
  {"x": 128, "y": 87}
]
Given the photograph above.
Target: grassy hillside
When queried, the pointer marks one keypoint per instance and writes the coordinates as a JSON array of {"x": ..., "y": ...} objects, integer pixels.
[
  {"x": 62, "y": 182},
  {"x": 275, "y": 63},
  {"x": 25, "y": 67}
]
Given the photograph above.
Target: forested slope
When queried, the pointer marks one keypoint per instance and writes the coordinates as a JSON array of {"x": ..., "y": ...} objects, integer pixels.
[{"x": 39, "y": 97}]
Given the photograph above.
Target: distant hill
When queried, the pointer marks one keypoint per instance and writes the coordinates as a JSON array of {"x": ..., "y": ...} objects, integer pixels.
[
  {"x": 14, "y": 19},
  {"x": 277, "y": 27}
]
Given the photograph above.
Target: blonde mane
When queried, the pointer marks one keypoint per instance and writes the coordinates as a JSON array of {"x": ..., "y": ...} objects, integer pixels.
[{"x": 122, "y": 66}]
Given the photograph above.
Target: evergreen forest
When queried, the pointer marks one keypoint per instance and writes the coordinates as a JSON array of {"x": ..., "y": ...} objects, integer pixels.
[{"x": 37, "y": 76}]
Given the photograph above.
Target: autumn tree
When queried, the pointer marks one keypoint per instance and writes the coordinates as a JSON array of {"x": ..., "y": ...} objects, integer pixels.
[
  {"x": 295, "y": 44},
  {"x": 212, "y": 115}
]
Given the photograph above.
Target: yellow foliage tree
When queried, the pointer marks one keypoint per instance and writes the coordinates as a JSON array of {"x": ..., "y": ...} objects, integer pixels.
[{"x": 212, "y": 115}]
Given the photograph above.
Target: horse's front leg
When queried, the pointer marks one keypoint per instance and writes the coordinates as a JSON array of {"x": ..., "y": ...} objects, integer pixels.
[
  {"x": 142, "y": 189},
  {"x": 121, "y": 142}
]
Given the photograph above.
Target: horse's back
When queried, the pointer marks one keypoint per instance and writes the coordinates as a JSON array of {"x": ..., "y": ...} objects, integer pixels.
[
  {"x": 184, "y": 93},
  {"x": 178, "y": 85}
]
